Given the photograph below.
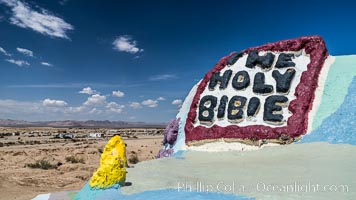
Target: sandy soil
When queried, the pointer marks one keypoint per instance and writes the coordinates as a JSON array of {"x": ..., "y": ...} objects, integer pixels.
[{"x": 18, "y": 181}]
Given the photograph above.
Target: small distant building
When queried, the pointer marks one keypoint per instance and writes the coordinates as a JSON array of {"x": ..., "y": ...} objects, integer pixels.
[
  {"x": 69, "y": 136},
  {"x": 59, "y": 135},
  {"x": 64, "y": 136},
  {"x": 96, "y": 135}
]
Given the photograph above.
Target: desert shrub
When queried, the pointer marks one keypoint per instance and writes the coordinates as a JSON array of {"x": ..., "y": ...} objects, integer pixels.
[
  {"x": 42, "y": 164},
  {"x": 74, "y": 159},
  {"x": 133, "y": 159}
]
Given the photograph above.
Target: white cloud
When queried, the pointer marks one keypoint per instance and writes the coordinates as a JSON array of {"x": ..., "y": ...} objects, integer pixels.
[
  {"x": 63, "y": 2},
  {"x": 177, "y": 102},
  {"x": 163, "y": 77},
  {"x": 35, "y": 110},
  {"x": 118, "y": 93},
  {"x": 25, "y": 51},
  {"x": 95, "y": 99},
  {"x": 161, "y": 99},
  {"x": 126, "y": 44},
  {"x": 50, "y": 102},
  {"x": 2, "y": 50},
  {"x": 49, "y": 109},
  {"x": 88, "y": 90},
  {"x": 11, "y": 107},
  {"x": 78, "y": 109},
  {"x": 46, "y": 64},
  {"x": 114, "y": 107},
  {"x": 95, "y": 111},
  {"x": 40, "y": 21},
  {"x": 150, "y": 103},
  {"x": 20, "y": 63},
  {"x": 135, "y": 105}
]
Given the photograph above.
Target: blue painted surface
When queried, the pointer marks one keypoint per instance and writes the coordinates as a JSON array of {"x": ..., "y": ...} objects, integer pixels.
[
  {"x": 179, "y": 154},
  {"x": 166, "y": 194},
  {"x": 339, "y": 127}
]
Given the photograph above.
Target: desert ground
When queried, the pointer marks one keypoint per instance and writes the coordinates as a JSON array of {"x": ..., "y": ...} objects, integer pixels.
[{"x": 26, "y": 153}]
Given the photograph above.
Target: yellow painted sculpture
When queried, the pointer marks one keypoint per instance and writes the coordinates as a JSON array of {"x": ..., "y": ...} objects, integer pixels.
[{"x": 112, "y": 169}]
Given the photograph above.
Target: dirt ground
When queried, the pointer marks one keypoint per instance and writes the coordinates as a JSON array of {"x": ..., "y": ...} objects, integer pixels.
[{"x": 19, "y": 181}]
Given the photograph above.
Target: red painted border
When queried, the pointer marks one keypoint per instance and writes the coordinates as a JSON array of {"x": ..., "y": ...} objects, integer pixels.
[{"x": 297, "y": 123}]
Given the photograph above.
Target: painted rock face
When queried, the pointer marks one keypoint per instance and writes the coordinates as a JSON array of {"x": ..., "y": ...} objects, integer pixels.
[
  {"x": 260, "y": 93},
  {"x": 170, "y": 137},
  {"x": 171, "y": 132},
  {"x": 112, "y": 171}
]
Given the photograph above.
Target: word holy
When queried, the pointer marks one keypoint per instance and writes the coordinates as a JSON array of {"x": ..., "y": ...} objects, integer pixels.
[{"x": 236, "y": 106}]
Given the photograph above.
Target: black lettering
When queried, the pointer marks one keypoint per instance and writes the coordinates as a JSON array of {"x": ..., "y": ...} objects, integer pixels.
[
  {"x": 274, "y": 104},
  {"x": 206, "y": 108},
  {"x": 253, "y": 106},
  {"x": 222, "y": 107},
  {"x": 235, "y": 109},
  {"x": 254, "y": 59},
  {"x": 222, "y": 80},
  {"x": 285, "y": 60},
  {"x": 234, "y": 58},
  {"x": 259, "y": 86},
  {"x": 241, "y": 80},
  {"x": 283, "y": 80}
]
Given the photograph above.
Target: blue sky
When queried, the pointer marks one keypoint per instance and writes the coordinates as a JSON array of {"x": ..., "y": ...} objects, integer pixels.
[{"x": 137, "y": 60}]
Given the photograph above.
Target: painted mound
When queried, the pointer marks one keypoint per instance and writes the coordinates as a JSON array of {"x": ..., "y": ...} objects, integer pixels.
[
  {"x": 260, "y": 96},
  {"x": 319, "y": 166}
]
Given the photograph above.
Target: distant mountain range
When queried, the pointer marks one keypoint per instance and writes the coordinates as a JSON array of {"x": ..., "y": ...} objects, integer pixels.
[{"x": 79, "y": 124}]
